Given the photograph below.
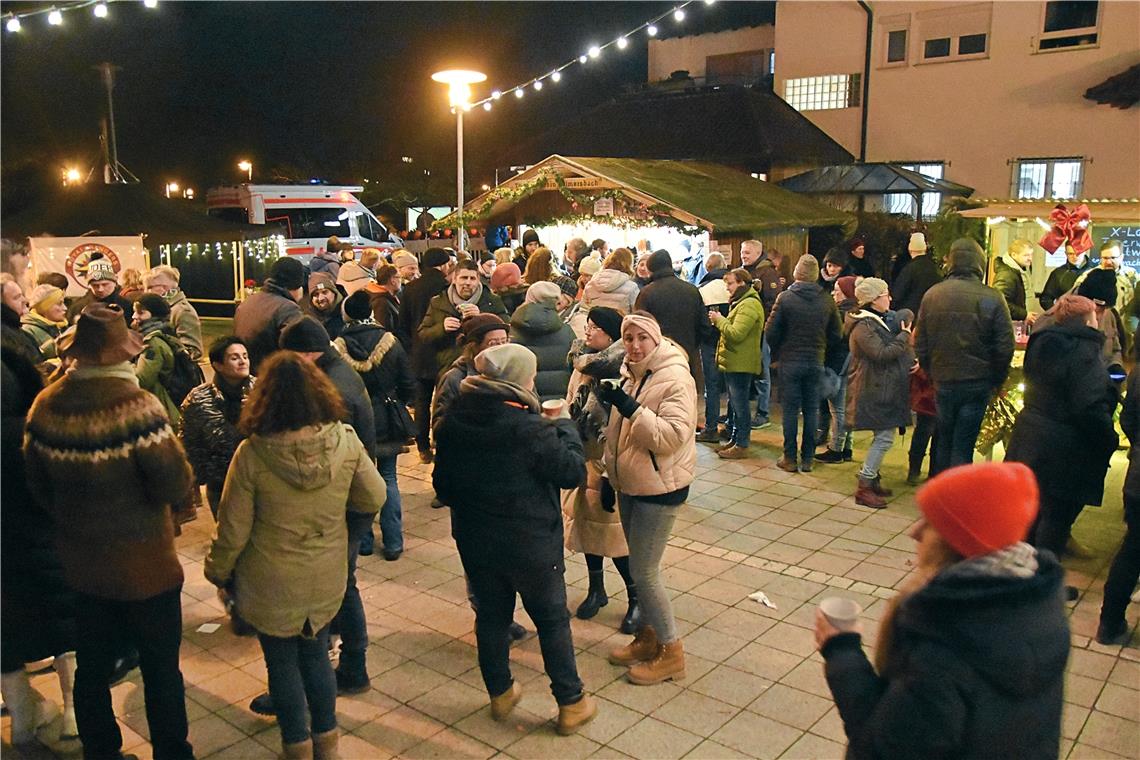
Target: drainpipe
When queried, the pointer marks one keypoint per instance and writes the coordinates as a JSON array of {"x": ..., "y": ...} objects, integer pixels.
[{"x": 866, "y": 81}]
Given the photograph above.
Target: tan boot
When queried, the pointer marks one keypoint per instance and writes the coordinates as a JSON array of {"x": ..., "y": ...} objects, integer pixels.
[
  {"x": 865, "y": 496},
  {"x": 325, "y": 746},
  {"x": 643, "y": 647},
  {"x": 299, "y": 751},
  {"x": 572, "y": 717},
  {"x": 669, "y": 664},
  {"x": 502, "y": 705}
]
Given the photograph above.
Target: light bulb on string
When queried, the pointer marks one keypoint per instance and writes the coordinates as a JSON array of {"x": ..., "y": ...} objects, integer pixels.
[
  {"x": 651, "y": 30},
  {"x": 150, "y": 3},
  {"x": 100, "y": 10},
  {"x": 538, "y": 85},
  {"x": 582, "y": 59},
  {"x": 496, "y": 94},
  {"x": 487, "y": 106},
  {"x": 519, "y": 92},
  {"x": 622, "y": 42},
  {"x": 709, "y": 2},
  {"x": 678, "y": 15},
  {"x": 13, "y": 25},
  {"x": 595, "y": 51},
  {"x": 556, "y": 76},
  {"x": 55, "y": 18}
]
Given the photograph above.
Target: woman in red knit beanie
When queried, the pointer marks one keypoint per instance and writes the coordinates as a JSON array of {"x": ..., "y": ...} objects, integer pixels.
[{"x": 970, "y": 656}]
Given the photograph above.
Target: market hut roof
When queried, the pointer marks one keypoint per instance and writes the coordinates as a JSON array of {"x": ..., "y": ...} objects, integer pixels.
[
  {"x": 741, "y": 126},
  {"x": 1120, "y": 91},
  {"x": 126, "y": 210},
  {"x": 693, "y": 193},
  {"x": 870, "y": 179},
  {"x": 1103, "y": 209}
]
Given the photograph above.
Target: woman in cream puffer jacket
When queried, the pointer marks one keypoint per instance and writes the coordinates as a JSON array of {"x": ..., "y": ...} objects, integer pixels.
[
  {"x": 650, "y": 456},
  {"x": 612, "y": 288}
]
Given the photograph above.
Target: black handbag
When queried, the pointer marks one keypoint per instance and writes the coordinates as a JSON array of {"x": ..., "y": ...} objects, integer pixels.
[{"x": 399, "y": 423}]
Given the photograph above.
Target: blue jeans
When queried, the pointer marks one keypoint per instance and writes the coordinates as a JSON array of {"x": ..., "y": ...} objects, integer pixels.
[
  {"x": 763, "y": 383},
  {"x": 961, "y": 407},
  {"x": 542, "y": 586},
  {"x": 841, "y": 438},
  {"x": 392, "y": 513},
  {"x": 301, "y": 683},
  {"x": 713, "y": 385},
  {"x": 799, "y": 392},
  {"x": 880, "y": 445},
  {"x": 647, "y": 528},
  {"x": 738, "y": 384},
  {"x": 349, "y": 621}
]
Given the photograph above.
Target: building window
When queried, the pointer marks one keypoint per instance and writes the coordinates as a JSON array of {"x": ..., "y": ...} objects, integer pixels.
[
  {"x": 1047, "y": 178},
  {"x": 939, "y": 48},
  {"x": 896, "y": 46},
  {"x": 954, "y": 33},
  {"x": 1069, "y": 24},
  {"x": 823, "y": 93},
  {"x": 745, "y": 68},
  {"x": 903, "y": 203},
  {"x": 971, "y": 44}
]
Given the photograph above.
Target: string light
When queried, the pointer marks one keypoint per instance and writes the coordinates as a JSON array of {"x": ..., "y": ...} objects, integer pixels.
[
  {"x": 100, "y": 10},
  {"x": 13, "y": 24},
  {"x": 487, "y": 106},
  {"x": 556, "y": 76},
  {"x": 651, "y": 30},
  {"x": 55, "y": 18},
  {"x": 622, "y": 43},
  {"x": 150, "y": 3},
  {"x": 54, "y": 14},
  {"x": 595, "y": 51},
  {"x": 678, "y": 15},
  {"x": 519, "y": 92},
  {"x": 538, "y": 84}
]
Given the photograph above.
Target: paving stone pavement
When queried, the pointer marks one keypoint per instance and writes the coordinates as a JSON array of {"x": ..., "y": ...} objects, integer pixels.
[{"x": 754, "y": 686}]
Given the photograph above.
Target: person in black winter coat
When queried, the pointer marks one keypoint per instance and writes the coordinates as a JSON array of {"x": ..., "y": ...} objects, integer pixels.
[
  {"x": 538, "y": 326},
  {"x": 1011, "y": 272},
  {"x": 384, "y": 295},
  {"x": 413, "y": 306},
  {"x": 1125, "y": 570},
  {"x": 919, "y": 275},
  {"x": 261, "y": 318},
  {"x": 378, "y": 357},
  {"x": 970, "y": 656},
  {"x": 857, "y": 262},
  {"x": 678, "y": 308},
  {"x": 508, "y": 528},
  {"x": 1065, "y": 432},
  {"x": 1063, "y": 278}
]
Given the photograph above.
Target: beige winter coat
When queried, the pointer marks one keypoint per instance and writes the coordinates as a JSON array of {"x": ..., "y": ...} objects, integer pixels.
[
  {"x": 282, "y": 535},
  {"x": 655, "y": 451}
]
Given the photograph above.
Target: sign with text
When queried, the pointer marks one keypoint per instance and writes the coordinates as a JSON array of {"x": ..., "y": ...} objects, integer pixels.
[
  {"x": 1128, "y": 235},
  {"x": 604, "y": 207},
  {"x": 71, "y": 255}
]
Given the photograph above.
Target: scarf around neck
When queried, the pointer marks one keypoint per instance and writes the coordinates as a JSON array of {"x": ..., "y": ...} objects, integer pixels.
[
  {"x": 453, "y": 295},
  {"x": 506, "y": 391}
]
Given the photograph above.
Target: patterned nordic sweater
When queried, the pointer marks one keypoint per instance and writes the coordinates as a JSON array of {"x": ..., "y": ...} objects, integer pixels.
[{"x": 104, "y": 462}]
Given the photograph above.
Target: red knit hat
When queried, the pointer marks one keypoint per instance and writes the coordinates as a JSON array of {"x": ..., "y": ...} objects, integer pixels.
[{"x": 980, "y": 508}]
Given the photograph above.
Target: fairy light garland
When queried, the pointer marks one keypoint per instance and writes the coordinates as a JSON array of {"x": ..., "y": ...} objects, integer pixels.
[
  {"x": 13, "y": 21},
  {"x": 262, "y": 250}
]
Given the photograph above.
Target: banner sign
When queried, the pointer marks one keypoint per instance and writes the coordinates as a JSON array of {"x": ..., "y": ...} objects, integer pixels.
[{"x": 70, "y": 256}]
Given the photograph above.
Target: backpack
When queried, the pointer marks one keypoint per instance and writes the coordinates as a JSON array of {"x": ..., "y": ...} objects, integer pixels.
[{"x": 185, "y": 376}]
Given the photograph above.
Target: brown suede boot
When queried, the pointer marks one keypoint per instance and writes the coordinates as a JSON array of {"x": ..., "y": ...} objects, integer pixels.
[
  {"x": 325, "y": 745},
  {"x": 865, "y": 496},
  {"x": 502, "y": 704},
  {"x": 299, "y": 751},
  {"x": 669, "y": 664},
  {"x": 643, "y": 647},
  {"x": 572, "y": 717}
]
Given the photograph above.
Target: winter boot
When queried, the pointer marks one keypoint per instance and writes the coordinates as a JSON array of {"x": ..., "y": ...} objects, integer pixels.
[
  {"x": 669, "y": 664},
  {"x": 595, "y": 597},
  {"x": 831, "y": 456},
  {"x": 914, "y": 472},
  {"x": 865, "y": 495},
  {"x": 298, "y": 751},
  {"x": 643, "y": 647},
  {"x": 65, "y": 669},
  {"x": 325, "y": 746},
  {"x": 632, "y": 620},
  {"x": 352, "y": 673},
  {"x": 502, "y": 704},
  {"x": 572, "y": 717},
  {"x": 877, "y": 487},
  {"x": 26, "y": 706}
]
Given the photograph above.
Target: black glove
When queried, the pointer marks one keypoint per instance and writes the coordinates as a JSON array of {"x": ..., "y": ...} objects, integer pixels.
[
  {"x": 609, "y": 498},
  {"x": 618, "y": 398}
]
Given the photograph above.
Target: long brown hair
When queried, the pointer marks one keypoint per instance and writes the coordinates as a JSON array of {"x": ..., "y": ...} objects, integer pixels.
[
  {"x": 620, "y": 259},
  {"x": 291, "y": 393},
  {"x": 539, "y": 267}
]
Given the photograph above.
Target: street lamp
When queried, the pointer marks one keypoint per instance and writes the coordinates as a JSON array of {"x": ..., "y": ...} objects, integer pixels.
[
  {"x": 171, "y": 187},
  {"x": 71, "y": 176},
  {"x": 246, "y": 167},
  {"x": 459, "y": 83}
]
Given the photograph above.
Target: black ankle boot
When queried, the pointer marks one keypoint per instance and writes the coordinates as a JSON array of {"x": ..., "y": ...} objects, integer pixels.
[
  {"x": 595, "y": 597},
  {"x": 631, "y": 623}
]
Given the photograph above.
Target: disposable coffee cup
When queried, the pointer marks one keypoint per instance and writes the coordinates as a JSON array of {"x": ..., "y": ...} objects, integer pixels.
[
  {"x": 553, "y": 407},
  {"x": 841, "y": 613}
]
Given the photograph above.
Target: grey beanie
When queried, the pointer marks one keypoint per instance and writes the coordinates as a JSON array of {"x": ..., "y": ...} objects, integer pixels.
[
  {"x": 509, "y": 362},
  {"x": 807, "y": 269}
]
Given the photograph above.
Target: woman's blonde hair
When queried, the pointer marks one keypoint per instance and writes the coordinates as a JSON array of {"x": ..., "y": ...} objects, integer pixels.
[
  {"x": 620, "y": 259},
  {"x": 539, "y": 267},
  {"x": 504, "y": 255},
  {"x": 133, "y": 279}
]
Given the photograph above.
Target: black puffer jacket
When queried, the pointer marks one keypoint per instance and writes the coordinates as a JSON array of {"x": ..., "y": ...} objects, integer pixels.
[
  {"x": 1009, "y": 282},
  {"x": 379, "y": 358},
  {"x": 804, "y": 325},
  {"x": 963, "y": 331},
  {"x": 413, "y": 306},
  {"x": 1065, "y": 433},
  {"x": 976, "y": 671},
  {"x": 918, "y": 276},
  {"x": 878, "y": 379},
  {"x": 505, "y": 512},
  {"x": 209, "y": 429},
  {"x": 541, "y": 329},
  {"x": 260, "y": 319}
]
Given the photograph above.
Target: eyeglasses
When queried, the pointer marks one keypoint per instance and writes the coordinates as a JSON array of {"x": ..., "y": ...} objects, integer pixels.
[{"x": 498, "y": 342}]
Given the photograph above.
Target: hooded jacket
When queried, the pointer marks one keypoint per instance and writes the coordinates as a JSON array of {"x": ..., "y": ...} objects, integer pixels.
[
  {"x": 187, "y": 326},
  {"x": 332, "y": 319},
  {"x": 654, "y": 452},
  {"x": 260, "y": 319},
  {"x": 43, "y": 331},
  {"x": 1010, "y": 280},
  {"x": 379, "y": 359},
  {"x": 325, "y": 261},
  {"x": 1064, "y": 432},
  {"x": 738, "y": 349},
  {"x": 963, "y": 331},
  {"x": 282, "y": 535},
  {"x": 156, "y": 363},
  {"x": 976, "y": 670},
  {"x": 766, "y": 283},
  {"x": 540, "y": 328},
  {"x": 803, "y": 327},
  {"x": 878, "y": 377},
  {"x": 612, "y": 288}
]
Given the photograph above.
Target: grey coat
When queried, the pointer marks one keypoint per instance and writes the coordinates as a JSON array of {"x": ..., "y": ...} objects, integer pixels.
[{"x": 878, "y": 379}]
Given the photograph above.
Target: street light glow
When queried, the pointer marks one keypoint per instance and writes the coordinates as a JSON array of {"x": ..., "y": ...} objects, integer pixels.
[
  {"x": 459, "y": 83},
  {"x": 150, "y": 3},
  {"x": 247, "y": 167},
  {"x": 72, "y": 175}
]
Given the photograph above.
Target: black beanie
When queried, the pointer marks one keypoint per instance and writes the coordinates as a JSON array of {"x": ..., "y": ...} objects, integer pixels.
[
  {"x": 836, "y": 256},
  {"x": 288, "y": 273},
  {"x": 660, "y": 261},
  {"x": 608, "y": 320},
  {"x": 358, "y": 306},
  {"x": 435, "y": 257},
  {"x": 530, "y": 236},
  {"x": 1099, "y": 285},
  {"x": 305, "y": 334},
  {"x": 155, "y": 304}
]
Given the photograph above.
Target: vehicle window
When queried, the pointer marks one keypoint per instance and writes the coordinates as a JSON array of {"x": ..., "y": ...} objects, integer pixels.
[
  {"x": 311, "y": 222},
  {"x": 371, "y": 228}
]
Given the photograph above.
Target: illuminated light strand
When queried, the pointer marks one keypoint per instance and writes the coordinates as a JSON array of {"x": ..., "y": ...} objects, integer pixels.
[
  {"x": 54, "y": 13},
  {"x": 593, "y": 52}
]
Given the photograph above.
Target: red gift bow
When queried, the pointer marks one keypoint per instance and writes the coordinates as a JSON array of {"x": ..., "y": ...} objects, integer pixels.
[{"x": 1068, "y": 225}]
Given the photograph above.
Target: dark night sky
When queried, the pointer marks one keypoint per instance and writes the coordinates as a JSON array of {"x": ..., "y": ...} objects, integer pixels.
[{"x": 335, "y": 88}]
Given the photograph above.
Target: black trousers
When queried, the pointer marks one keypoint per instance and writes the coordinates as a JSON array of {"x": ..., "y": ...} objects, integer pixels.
[
  {"x": 153, "y": 627},
  {"x": 422, "y": 410},
  {"x": 1125, "y": 567},
  {"x": 1054, "y": 523}
]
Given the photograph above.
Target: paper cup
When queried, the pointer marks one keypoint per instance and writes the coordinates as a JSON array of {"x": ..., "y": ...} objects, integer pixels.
[
  {"x": 553, "y": 407},
  {"x": 841, "y": 613}
]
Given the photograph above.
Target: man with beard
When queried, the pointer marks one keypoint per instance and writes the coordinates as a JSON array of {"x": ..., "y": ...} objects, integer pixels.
[{"x": 324, "y": 303}]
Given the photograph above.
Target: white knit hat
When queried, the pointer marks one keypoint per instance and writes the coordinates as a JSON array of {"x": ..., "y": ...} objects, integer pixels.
[{"x": 917, "y": 243}]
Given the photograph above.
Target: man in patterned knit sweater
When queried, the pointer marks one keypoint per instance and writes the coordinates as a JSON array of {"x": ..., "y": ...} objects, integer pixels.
[{"x": 105, "y": 464}]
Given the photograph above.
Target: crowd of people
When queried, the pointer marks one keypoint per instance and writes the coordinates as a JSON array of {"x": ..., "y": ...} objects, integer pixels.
[{"x": 585, "y": 373}]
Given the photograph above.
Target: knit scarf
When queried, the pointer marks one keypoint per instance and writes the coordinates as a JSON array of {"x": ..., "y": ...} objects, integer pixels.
[
  {"x": 119, "y": 371},
  {"x": 506, "y": 391},
  {"x": 453, "y": 295}
]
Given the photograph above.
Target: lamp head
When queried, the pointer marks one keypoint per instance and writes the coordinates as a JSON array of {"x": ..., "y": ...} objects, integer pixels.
[{"x": 459, "y": 83}]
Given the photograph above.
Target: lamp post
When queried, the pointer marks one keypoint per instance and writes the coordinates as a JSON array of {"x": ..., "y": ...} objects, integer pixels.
[
  {"x": 459, "y": 83},
  {"x": 246, "y": 167}
]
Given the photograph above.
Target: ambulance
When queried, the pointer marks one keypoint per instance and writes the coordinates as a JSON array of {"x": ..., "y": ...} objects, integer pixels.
[{"x": 310, "y": 215}]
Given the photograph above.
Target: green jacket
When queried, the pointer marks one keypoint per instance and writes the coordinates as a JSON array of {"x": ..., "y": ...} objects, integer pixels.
[
  {"x": 738, "y": 349},
  {"x": 154, "y": 365}
]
